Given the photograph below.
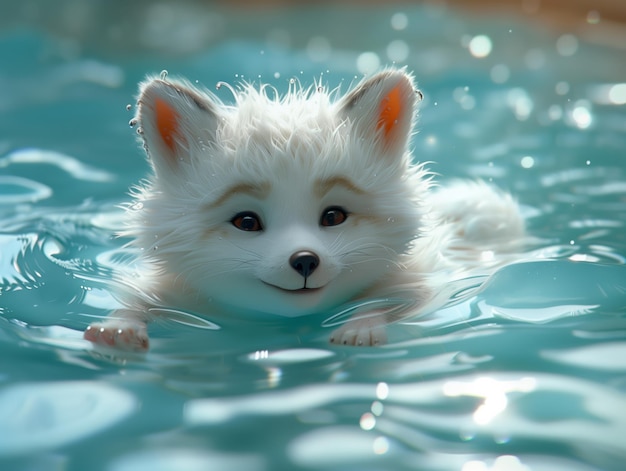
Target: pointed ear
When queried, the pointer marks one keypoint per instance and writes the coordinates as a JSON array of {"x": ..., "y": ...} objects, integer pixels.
[
  {"x": 174, "y": 120},
  {"x": 381, "y": 109}
]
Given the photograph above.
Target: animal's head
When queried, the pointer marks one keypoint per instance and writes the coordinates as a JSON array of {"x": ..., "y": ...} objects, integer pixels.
[{"x": 287, "y": 205}]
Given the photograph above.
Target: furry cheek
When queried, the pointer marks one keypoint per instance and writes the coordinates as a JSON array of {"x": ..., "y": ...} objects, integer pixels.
[
  {"x": 358, "y": 219},
  {"x": 210, "y": 233}
]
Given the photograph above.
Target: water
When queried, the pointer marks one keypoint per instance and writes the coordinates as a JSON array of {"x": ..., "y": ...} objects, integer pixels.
[{"x": 527, "y": 374}]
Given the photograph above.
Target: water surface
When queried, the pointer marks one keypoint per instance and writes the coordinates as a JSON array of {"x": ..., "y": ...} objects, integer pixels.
[{"x": 526, "y": 374}]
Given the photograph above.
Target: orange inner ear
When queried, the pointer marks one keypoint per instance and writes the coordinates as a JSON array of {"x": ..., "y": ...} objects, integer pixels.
[
  {"x": 390, "y": 109},
  {"x": 167, "y": 123}
]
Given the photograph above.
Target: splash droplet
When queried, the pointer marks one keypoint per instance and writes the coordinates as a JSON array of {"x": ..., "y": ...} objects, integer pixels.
[
  {"x": 163, "y": 74},
  {"x": 129, "y": 107},
  {"x": 133, "y": 122}
]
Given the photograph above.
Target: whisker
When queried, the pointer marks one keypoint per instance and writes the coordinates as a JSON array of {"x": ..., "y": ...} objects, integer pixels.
[{"x": 246, "y": 250}]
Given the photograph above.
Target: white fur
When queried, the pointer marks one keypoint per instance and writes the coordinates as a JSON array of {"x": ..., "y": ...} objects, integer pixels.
[{"x": 401, "y": 236}]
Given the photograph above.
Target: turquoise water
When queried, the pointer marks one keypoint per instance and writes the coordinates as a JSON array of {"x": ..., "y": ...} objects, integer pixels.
[{"x": 527, "y": 374}]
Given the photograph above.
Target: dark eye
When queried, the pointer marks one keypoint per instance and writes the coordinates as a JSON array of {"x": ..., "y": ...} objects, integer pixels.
[
  {"x": 333, "y": 216},
  {"x": 247, "y": 221}
]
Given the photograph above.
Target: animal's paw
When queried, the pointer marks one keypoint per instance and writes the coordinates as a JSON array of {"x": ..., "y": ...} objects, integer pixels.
[
  {"x": 122, "y": 335},
  {"x": 361, "y": 332}
]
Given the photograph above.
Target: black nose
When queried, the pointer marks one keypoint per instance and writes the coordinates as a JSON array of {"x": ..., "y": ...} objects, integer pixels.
[{"x": 304, "y": 262}]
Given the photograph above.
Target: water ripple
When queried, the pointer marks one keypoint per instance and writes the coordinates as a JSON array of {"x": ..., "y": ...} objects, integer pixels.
[
  {"x": 19, "y": 190},
  {"x": 74, "y": 167}
]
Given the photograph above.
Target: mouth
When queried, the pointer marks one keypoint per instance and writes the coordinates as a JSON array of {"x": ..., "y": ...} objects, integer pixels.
[{"x": 303, "y": 290}]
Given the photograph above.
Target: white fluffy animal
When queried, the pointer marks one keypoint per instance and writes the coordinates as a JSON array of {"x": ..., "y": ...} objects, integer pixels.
[{"x": 296, "y": 205}]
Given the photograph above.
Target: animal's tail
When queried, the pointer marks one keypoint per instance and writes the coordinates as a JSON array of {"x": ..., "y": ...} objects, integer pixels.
[{"x": 485, "y": 225}]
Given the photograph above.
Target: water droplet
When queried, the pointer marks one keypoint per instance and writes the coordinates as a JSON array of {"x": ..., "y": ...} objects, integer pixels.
[
  {"x": 163, "y": 74},
  {"x": 292, "y": 81},
  {"x": 431, "y": 141},
  {"x": 140, "y": 131},
  {"x": 399, "y": 21},
  {"x": 320, "y": 89},
  {"x": 480, "y": 46},
  {"x": 368, "y": 421},
  {"x": 582, "y": 115},
  {"x": 567, "y": 45},
  {"x": 527, "y": 161},
  {"x": 398, "y": 50},
  {"x": 133, "y": 122},
  {"x": 593, "y": 17},
  {"x": 367, "y": 62},
  {"x": 392, "y": 220},
  {"x": 500, "y": 73},
  {"x": 617, "y": 94},
  {"x": 276, "y": 75},
  {"x": 129, "y": 107}
]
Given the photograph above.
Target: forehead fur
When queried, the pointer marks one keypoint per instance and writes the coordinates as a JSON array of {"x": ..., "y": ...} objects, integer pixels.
[
  {"x": 273, "y": 123},
  {"x": 302, "y": 130},
  {"x": 299, "y": 107}
]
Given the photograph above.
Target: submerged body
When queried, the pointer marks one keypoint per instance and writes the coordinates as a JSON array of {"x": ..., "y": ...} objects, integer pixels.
[{"x": 297, "y": 205}]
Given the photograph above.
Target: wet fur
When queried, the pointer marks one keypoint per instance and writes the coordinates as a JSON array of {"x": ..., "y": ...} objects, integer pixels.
[{"x": 288, "y": 159}]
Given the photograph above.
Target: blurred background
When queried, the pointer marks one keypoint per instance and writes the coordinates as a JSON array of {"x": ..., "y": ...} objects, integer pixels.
[{"x": 179, "y": 27}]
